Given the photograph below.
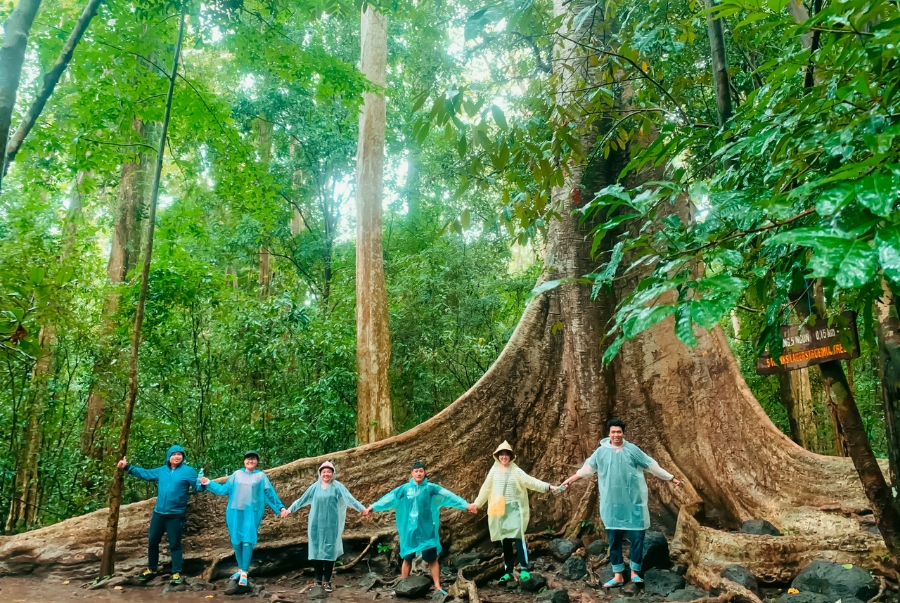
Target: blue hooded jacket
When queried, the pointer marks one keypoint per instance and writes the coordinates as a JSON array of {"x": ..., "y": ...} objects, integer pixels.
[{"x": 174, "y": 484}]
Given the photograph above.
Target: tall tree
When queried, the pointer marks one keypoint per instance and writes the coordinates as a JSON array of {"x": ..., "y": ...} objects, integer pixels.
[
  {"x": 108, "y": 559},
  {"x": 373, "y": 341},
  {"x": 123, "y": 256},
  {"x": 796, "y": 397},
  {"x": 23, "y": 510}
]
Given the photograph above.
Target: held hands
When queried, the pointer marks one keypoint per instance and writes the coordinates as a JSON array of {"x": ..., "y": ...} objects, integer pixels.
[
  {"x": 367, "y": 512},
  {"x": 472, "y": 508},
  {"x": 284, "y": 512},
  {"x": 204, "y": 481},
  {"x": 676, "y": 481},
  {"x": 555, "y": 489},
  {"x": 123, "y": 463}
]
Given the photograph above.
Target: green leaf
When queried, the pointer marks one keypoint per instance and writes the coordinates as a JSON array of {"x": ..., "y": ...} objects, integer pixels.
[
  {"x": 37, "y": 275},
  {"x": 684, "y": 327},
  {"x": 613, "y": 349},
  {"x": 887, "y": 241},
  {"x": 878, "y": 193},
  {"x": 465, "y": 218},
  {"x": 831, "y": 200},
  {"x": 544, "y": 287},
  {"x": 499, "y": 117},
  {"x": 852, "y": 262},
  {"x": 642, "y": 319},
  {"x": 64, "y": 275},
  {"x": 847, "y": 566}
]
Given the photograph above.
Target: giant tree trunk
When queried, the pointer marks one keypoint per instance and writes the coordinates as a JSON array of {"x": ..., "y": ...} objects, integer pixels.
[
  {"x": 796, "y": 397},
  {"x": 12, "y": 56},
  {"x": 25, "y": 503},
  {"x": 123, "y": 254},
  {"x": 549, "y": 395},
  {"x": 373, "y": 340}
]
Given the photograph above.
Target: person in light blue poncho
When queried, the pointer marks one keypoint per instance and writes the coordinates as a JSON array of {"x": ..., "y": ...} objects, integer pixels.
[
  {"x": 418, "y": 506},
  {"x": 620, "y": 467},
  {"x": 328, "y": 500},
  {"x": 248, "y": 491}
]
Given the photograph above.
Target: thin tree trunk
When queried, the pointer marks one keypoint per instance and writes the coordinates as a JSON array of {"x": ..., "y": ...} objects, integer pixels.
[
  {"x": 888, "y": 308},
  {"x": 857, "y": 440},
  {"x": 373, "y": 344},
  {"x": 51, "y": 78},
  {"x": 796, "y": 397},
  {"x": 107, "y": 561},
  {"x": 123, "y": 256},
  {"x": 12, "y": 56},
  {"x": 264, "y": 144},
  {"x": 25, "y": 503},
  {"x": 265, "y": 272},
  {"x": 719, "y": 66}
]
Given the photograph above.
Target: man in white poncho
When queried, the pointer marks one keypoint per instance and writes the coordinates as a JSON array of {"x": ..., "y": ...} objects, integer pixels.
[
  {"x": 506, "y": 492},
  {"x": 328, "y": 500},
  {"x": 620, "y": 467}
]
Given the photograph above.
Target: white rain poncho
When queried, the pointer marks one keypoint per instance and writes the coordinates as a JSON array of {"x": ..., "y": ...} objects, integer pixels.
[
  {"x": 248, "y": 494},
  {"x": 623, "y": 489},
  {"x": 327, "y": 513},
  {"x": 418, "y": 513},
  {"x": 506, "y": 492}
]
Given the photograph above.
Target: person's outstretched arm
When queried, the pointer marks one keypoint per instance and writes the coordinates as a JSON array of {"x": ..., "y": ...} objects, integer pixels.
[
  {"x": 533, "y": 483},
  {"x": 589, "y": 468},
  {"x": 272, "y": 498},
  {"x": 448, "y": 498},
  {"x": 483, "y": 493},
  {"x": 305, "y": 499},
  {"x": 150, "y": 475},
  {"x": 217, "y": 488},
  {"x": 385, "y": 503}
]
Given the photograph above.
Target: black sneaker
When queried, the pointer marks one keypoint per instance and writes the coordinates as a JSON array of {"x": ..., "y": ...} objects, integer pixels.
[{"x": 147, "y": 576}]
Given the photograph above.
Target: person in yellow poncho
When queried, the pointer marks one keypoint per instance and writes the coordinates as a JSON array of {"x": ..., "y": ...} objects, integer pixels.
[{"x": 506, "y": 492}]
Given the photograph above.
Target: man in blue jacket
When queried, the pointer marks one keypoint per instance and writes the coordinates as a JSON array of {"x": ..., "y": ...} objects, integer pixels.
[{"x": 175, "y": 479}]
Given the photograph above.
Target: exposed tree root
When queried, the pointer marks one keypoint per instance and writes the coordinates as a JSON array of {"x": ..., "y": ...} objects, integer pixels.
[
  {"x": 464, "y": 589},
  {"x": 882, "y": 584},
  {"x": 350, "y": 565}
]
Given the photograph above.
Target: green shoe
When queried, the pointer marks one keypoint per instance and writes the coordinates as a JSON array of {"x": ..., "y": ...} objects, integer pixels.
[
  {"x": 147, "y": 576},
  {"x": 176, "y": 578},
  {"x": 506, "y": 578},
  {"x": 524, "y": 576}
]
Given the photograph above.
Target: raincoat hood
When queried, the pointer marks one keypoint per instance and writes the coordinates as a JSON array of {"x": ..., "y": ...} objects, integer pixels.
[
  {"x": 173, "y": 450},
  {"x": 607, "y": 443},
  {"x": 327, "y": 465},
  {"x": 504, "y": 446}
]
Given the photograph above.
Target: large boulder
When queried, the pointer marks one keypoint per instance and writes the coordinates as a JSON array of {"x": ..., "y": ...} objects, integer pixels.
[
  {"x": 689, "y": 593},
  {"x": 462, "y": 560},
  {"x": 836, "y": 581},
  {"x": 369, "y": 580},
  {"x": 413, "y": 587},
  {"x": 597, "y": 548},
  {"x": 759, "y": 527},
  {"x": 743, "y": 576},
  {"x": 573, "y": 569},
  {"x": 561, "y": 548},
  {"x": 535, "y": 584},
  {"x": 662, "y": 582},
  {"x": 556, "y": 595},
  {"x": 656, "y": 551}
]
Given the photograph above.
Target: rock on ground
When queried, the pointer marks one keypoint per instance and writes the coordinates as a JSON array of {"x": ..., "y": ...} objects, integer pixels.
[
  {"x": 537, "y": 582},
  {"x": 688, "y": 593},
  {"x": 662, "y": 582},
  {"x": 836, "y": 581},
  {"x": 369, "y": 580},
  {"x": 656, "y": 551},
  {"x": 557, "y": 595},
  {"x": 561, "y": 548},
  {"x": 573, "y": 569},
  {"x": 743, "y": 576},
  {"x": 804, "y": 598},
  {"x": 597, "y": 548},
  {"x": 413, "y": 587},
  {"x": 759, "y": 527}
]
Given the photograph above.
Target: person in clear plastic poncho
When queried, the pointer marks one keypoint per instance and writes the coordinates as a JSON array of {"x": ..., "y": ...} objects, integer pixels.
[
  {"x": 248, "y": 491},
  {"x": 328, "y": 500},
  {"x": 620, "y": 467},
  {"x": 506, "y": 493},
  {"x": 418, "y": 506}
]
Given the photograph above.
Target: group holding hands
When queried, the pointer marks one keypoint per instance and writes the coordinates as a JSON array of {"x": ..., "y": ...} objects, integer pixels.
[{"x": 619, "y": 465}]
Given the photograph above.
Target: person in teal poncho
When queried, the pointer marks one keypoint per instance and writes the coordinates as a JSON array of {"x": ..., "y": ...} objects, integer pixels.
[
  {"x": 418, "y": 514},
  {"x": 328, "y": 500},
  {"x": 248, "y": 491},
  {"x": 620, "y": 467}
]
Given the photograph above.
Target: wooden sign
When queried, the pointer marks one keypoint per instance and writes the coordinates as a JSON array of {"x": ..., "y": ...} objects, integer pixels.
[{"x": 807, "y": 346}]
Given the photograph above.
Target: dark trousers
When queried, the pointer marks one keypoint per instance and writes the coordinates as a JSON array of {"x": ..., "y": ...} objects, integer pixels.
[
  {"x": 509, "y": 559},
  {"x": 172, "y": 526},
  {"x": 636, "y": 552},
  {"x": 323, "y": 570}
]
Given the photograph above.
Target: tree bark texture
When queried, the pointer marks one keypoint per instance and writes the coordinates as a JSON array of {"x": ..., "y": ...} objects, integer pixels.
[
  {"x": 108, "y": 558},
  {"x": 373, "y": 340},
  {"x": 25, "y": 503},
  {"x": 888, "y": 310},
  {"x": 12, "y": 56},
  {"x": 550, "y": 396},
  {"x": 797, "y": 399},
  {"x": 51, "y": 78},
  {"x": 123, "y": 256},
  {"x": 719, "y": 66}
]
